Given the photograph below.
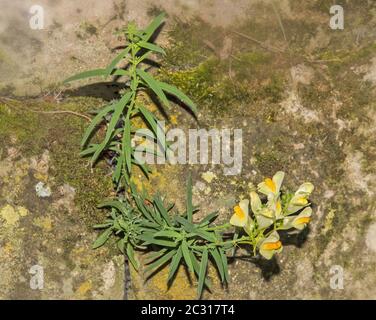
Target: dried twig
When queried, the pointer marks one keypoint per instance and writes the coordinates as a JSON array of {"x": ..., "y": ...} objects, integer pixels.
[
  {"x": 4, "y": 99},
  {"x": 262, "y": 44}
]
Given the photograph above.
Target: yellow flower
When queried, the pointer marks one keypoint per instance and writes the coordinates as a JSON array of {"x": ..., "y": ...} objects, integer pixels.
[
  {"x": 299, "y": 221},
  {"x": 299, "y": 201},
  {"x": 302, "y": 219},
  {"x": 256, "y": 204},
  {"x": 240, "y": 217},
  {"x": 264, "y": 216},
  {"x": 276, "y": 207},
  {"x": 271, "y": 245},
  {"x": 300, "y": 198},
  {"x": 271, "y": 187}
]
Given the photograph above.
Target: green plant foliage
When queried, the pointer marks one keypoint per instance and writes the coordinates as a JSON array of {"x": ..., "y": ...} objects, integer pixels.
[
  {"x": 171, "y": 237},
  {"x": 132, "y": 63},
  {"x": 123, "y": 222},
  {"x": 175, "y": 238},
  {"x": 183, "y": 241}
]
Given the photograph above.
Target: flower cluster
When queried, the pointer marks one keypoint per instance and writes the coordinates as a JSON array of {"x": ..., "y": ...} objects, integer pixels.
[{"x": 280, "y": 212}]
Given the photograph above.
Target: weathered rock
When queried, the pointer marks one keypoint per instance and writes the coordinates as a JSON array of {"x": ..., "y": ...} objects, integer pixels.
[
  {"x": 45, "y": 238},
  {"x": 302, "y": 94}
]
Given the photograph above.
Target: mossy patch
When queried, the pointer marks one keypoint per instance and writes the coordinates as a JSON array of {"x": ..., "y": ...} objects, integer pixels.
[{"x": 60, "y": 134}]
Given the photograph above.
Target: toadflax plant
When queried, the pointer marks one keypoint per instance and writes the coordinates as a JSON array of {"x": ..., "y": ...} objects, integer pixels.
[
  {"x": 122, "y": 115},
  {"x": 139, "y": 222},
  {"x": 176, "y": 239}
]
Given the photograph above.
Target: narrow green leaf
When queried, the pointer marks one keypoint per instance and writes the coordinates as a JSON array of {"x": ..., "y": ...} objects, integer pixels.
[
  {"x": 218, "y": 261},
  {"x": 127, "y": 146},
  {"x": 141, "y": 207},
  {"x": 144, "y": 56},
  {"x": 118, "y": 169},
  {"x": 167, "y": 234},
  {"x": 116, "y": 60},
  {"x": 186, "y": 255},
  {"x": 236, "y": 235},
  {"x": 152, "y": 240},
  {"x": 151, "y": 46},
  {"x": 209, "y": 218},
  {"x": 205, "y": 235},
  {"x": 224, "y": 263},
  {"x": 153, "y": 26},
  {"x": 188, "y": 226},
  {"x": 149, "y": 118},
  {"x": 121, "y": 245},
  {"x": 196, "y": 266},
  {"x": 150, "y": 224},
  {"x": 119, "y": 108},
  {"x": 89, "y": 150},
  {"x": 153, "y": 84},
  {"x": 154, "y": 255},
  {"x": 202, "y": 273},
  {"x": 95, "y": 121},
  {"x": 159, "y": 134},
  {"x": 161, "y": 261},
  {"x": 131, "y": 257},
  {"x": 114, "y": 204},
  {"x": 102, "y": 225},
  {"x": 178, "y": 94},
  {"x": 86, "y": 74},
  {"x": 162, "y": 210},
  {"x": 174, "y": 264},
  {"x": 103, "y": 237}
]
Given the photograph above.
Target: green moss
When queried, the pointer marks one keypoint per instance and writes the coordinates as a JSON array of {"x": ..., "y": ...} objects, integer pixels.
[
  {"x": 207, "y": 85},
  {"x": 340, "y": 60},
  {"x": 273, "y": 90},
  {"x": 60, "y": 134},
  {"x": 220, "y": 85},
  {"x": 251, "y": 64},
  {"x": 189, "y": 44},
  {"x": 26, "y": 131}
]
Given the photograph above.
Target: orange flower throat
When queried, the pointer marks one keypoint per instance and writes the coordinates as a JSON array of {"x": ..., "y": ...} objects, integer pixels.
[
  {"x": 272, "y": 245},
  {"x": 239, "y": 212},
  {"x": 303, "y": 220},
  {"x": 270, "y": 184}
]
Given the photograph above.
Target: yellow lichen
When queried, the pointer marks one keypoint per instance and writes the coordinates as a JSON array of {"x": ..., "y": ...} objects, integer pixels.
[
  {"x": 10, "y": 215},
  {"x": 208, "y": 176},
  {"x": 44, "y": 223},
  {"x": 84, "y": 288}
]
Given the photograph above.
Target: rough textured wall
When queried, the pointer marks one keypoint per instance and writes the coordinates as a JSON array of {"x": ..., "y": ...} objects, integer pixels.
[{"x": 303, "y": 94}]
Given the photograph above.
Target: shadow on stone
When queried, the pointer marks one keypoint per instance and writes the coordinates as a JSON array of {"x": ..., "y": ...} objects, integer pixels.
[
  {"x": 270, "y": 268},
  {"x": 105, "y": 90}
]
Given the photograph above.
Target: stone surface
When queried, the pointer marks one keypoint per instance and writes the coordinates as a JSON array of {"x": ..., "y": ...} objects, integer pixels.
[
  {"x": 51, "y": 232},
  {"x": 303, "y": 95}
]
